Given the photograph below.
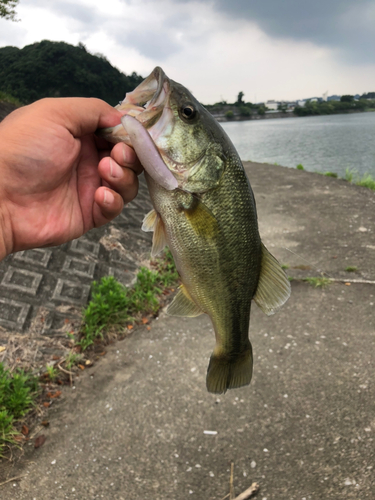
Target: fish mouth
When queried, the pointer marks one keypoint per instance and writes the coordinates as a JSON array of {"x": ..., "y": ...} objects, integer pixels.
[{"x": 148, "y": 103}]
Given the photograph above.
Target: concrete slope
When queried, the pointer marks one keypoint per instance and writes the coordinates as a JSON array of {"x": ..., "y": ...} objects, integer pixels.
[{"x": 134, "y": 426}]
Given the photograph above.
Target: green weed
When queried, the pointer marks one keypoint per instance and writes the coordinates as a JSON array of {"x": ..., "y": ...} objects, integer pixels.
[
  {"x": 367, "y": 181},
  {"x": 72, "y": 359},
  {"x": 351, "y": 269},
  {"x": 318, "y": 282},
  {"x": 108, "y": 306},
  {"x": 52, "y": 372},
  {"x": 18, "y": 391},
  {"x": 300, "y": 167},
  {"x": 285, "y": 266},
  {"x": 349, "y": 175},
  {"x": 331, "y": 174},
  {"x": 114, "y": 305}
]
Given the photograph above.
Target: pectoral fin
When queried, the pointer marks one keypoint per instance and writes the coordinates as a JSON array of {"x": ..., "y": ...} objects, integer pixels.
[
  {"x": 183, "y": 305},
  {"x": 201, "y": 218},
  {"x": 150, "y": 220},
  {"x": 273, "y": 286}
]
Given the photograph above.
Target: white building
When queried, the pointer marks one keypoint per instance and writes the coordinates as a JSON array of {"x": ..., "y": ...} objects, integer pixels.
[{"x": 272, "y": 105}]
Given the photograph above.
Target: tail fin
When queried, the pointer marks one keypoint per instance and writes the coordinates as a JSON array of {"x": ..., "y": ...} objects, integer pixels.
[{"x": 228, "y": 372}]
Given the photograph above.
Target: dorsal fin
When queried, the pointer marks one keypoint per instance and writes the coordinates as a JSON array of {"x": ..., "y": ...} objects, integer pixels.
[
  {"x": 273, "y": 286},
  {"x": 183, "y": 305}
]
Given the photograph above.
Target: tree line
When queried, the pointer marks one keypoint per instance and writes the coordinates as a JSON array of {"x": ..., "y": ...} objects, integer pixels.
[
  {"x": 346, "y": 104},
  {"x": 58, "y": 69}
]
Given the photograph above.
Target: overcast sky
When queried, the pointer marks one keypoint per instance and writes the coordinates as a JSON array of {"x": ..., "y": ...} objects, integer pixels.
[{"x": 269, "y": 49}]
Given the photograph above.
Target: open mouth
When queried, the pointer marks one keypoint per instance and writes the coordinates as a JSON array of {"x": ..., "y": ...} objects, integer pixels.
[
  {"x": 146, "y": 103},
  {"x": 146, "y": 116}
]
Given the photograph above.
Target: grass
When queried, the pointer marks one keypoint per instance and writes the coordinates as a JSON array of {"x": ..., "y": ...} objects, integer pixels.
[
  {"x": 18, "y": 391},
  {"x": 331, "y": 174},
  {"x": 365, "y": 181},
  {"x": 351, "y": 269},
  {"x": 349, "y": 174},
  {"x": 72, "y": 359},
  {"x": 114, "y": 305},
  {"x": 300, "y": 167},
  {"x": 52, "y": 372},
  {"x": 8, "y": 98},
  {"x": 320, "y": 282}
]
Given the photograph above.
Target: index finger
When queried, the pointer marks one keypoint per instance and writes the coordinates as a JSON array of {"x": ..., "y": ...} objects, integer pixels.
[{"x": 81, "y": 115}]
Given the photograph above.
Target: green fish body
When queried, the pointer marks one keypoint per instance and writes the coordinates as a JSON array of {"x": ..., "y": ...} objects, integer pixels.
[{"x": 209, "y": 222}]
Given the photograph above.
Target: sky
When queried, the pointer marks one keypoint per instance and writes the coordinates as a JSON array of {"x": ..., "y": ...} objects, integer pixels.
[{"x": 268, "y": 49}]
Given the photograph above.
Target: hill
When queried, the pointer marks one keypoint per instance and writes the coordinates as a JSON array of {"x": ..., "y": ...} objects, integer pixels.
[{"x": 57, "y": 69}]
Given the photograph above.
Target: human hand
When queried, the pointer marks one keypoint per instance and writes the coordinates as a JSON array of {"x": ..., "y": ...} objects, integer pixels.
[{"x": 57, "y": 180}]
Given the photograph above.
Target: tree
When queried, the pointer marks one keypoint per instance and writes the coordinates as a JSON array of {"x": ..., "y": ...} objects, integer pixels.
[
  {"x": 7, "y": 9},
  {"x": 57, "y": 69},
  {"x": 347, "y": 98},
  {"x": 245, "y": 111},
  {"x": 239, "y": 99},
  {"x": 282, "y": 107}
]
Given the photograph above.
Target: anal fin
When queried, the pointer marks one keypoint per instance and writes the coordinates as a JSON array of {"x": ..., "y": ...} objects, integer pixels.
[
  {"x": 183, "y": 305},
  {"x": 273, "y": 286}
]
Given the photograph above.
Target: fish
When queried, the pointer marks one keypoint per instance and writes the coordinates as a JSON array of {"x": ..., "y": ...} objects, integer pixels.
[{"x": 204, "y": 210}]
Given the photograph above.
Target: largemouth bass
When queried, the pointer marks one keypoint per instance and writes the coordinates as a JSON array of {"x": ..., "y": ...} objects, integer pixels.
[{"x": 204, "y": 210}]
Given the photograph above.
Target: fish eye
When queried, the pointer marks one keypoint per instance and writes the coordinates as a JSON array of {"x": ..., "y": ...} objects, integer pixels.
[{"x": 188, "y": 111}]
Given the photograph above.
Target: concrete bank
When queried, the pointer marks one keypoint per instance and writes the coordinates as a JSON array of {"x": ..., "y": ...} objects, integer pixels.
[{"x": 133, "y": 427}]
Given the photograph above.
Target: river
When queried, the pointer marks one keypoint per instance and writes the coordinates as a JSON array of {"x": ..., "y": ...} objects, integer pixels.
[{"x": 328, "y": 143}]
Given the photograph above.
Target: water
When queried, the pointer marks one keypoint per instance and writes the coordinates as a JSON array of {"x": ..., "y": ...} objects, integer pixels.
[{"x": 320, "y": 143}]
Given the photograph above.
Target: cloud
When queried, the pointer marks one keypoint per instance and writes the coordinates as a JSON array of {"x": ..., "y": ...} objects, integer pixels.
[
  {"x": 269, "y": 49},
  {"x": 345, "y": 26}
]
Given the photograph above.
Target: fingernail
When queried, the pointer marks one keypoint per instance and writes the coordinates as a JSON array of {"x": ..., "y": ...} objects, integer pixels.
[
  {"x": 115, "y": 170},
  {"x": 108, "y": 197},
  {"x": 128, "y": 155}
]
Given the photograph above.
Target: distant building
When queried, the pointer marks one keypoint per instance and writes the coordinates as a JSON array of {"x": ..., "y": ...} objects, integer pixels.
[
  {"x": 301, "y": 103},
  {"x": 272, "y": 105},
  {"x": 333, "y": 98},
  {"x": 325, "y": 95}
]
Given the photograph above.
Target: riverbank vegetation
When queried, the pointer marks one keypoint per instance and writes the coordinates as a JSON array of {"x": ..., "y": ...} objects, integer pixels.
[
  {"x": 351, "y": 176},
  {"x": 116, "y": 307},
  {"x": 18, "y": 392}
]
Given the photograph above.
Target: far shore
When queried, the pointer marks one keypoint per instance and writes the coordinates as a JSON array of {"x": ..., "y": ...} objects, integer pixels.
[{"x": 271, "y": 115}]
